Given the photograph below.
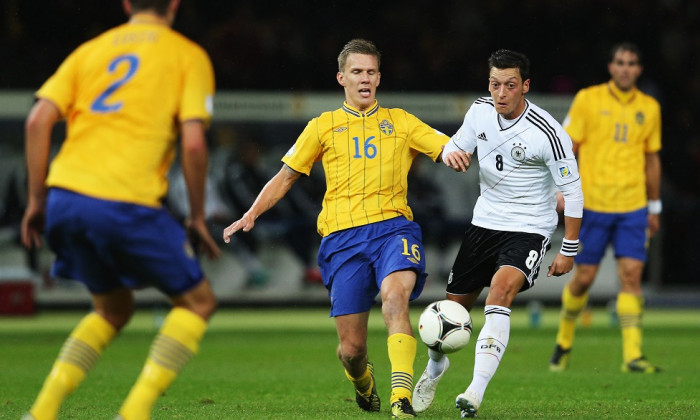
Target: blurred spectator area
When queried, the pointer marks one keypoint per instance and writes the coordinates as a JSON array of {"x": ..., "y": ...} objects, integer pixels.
[
  {"x": 433, "y": 65},
  {"x": 248, "y": 137}
]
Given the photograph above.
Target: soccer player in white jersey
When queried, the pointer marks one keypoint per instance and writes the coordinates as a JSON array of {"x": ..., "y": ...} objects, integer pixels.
[{"x": 524, "y": 157}]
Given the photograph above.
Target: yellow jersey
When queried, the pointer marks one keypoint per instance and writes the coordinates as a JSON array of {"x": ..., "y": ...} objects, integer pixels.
[
  {"x": 123, "y": 95},
  {"x": 366, "y": 157},
  {"x": 614, "y": 130}
]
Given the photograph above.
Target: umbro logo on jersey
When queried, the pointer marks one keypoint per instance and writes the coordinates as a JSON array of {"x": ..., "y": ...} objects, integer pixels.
[
  {"x": 340, "y": 129},
  {"x": 482, "y": 136}
]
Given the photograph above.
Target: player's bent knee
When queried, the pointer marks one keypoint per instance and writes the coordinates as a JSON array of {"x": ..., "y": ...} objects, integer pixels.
[
  {"x": 118, "y": 320},
  {"x": 352, "y": 351}
]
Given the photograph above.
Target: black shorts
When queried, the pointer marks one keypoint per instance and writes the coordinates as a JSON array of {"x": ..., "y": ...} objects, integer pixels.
[{"x": 484, "y": 251}]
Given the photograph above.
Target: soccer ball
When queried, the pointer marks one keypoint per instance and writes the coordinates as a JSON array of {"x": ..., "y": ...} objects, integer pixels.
[{"x": 445, "y": 326}]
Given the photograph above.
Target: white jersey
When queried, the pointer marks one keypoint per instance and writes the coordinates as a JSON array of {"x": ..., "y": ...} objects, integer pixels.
[{"x": 521, "y": 162}]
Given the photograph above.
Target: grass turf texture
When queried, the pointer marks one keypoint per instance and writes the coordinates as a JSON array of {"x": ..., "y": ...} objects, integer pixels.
[{"x": 281, "y": 363}]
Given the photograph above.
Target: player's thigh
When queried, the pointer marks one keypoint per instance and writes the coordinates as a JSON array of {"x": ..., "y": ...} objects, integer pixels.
[
  {"x": 505, "y": 285},
  {"x": 400, "y": 254},
  {"x": 154, "y": 250},
  {"x": 79, "y": 250},
  {"x": 347, "y": 275},
  {"x": 475, "y": 263},
  {"x": 354, "y": 262},
  {"x": 630, "y": 236},
  {"x": 522, "y": 254},
  {"x": 595, "y": 235}
]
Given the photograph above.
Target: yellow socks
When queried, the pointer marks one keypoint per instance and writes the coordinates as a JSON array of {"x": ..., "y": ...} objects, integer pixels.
[
  {"x": 78, "y": 355},
  {"x": 571, "y": 307},
  {"x": 402, "y": 354},
  {"x": 629, "y": 312},
  {"x": 364, "y": 383},
  {"x": 177, "y": 341}
]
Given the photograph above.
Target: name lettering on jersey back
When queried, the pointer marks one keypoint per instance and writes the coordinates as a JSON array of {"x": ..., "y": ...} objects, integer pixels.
[{"x": 134, "y": 37}]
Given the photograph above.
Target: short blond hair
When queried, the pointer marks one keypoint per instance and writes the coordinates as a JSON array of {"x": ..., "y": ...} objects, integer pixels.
[{"x": 357, "y": 46}]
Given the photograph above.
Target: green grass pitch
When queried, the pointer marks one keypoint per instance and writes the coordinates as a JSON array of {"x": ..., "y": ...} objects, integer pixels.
[{"x": 281, "y": 364}]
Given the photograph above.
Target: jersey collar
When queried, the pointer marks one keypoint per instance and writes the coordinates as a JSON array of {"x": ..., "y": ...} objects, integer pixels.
[
  {"x": 621, "y": 96},
  {"x": 147, "y": 19},
  {"x": 504, "y": 124},
  {"x": 354, "y": 111}
]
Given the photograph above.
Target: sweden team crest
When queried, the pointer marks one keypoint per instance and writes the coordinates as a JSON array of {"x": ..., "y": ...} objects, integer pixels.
[
  {"x": 386, "y": 127},
  {"x": 639, "y": 117}
]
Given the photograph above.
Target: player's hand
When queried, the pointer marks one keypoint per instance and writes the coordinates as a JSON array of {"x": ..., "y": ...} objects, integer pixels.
[
  {"x": 654, "y": 224},
  {"x": 201, "y": 237},
  {"x": 33, "y": 225},
  {"x": 458, "y": 160},
  {"x": 561, "y": 265},
  {"x": 245, "y": 223}
]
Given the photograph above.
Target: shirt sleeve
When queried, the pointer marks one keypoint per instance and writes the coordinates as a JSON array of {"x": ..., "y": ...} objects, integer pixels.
[
  {"x": 653, "y": 144},
  {"x": 425, "y": 139},
  {"x": 60, "y": 87},
  {"x": 465, "y": 137},
  {"x": 198, "y": 90},
  {"x": 575, "y": 121},
  {"x": 565, "y": 173},
  {"x": 306, "y": 150}
]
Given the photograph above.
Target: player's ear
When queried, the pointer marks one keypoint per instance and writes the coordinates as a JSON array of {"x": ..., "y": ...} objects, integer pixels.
[
  {"x": 379, "y": 77},
  {"x": 341, "y": 79},
  {"x": 526, "y": 86}
]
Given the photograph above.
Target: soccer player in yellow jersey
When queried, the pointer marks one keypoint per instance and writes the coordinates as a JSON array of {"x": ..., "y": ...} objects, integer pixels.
[
  {"x": 616, "y": 131},
  {"x": 370, "y": 244},
  {"x": 125, "y": 95}
]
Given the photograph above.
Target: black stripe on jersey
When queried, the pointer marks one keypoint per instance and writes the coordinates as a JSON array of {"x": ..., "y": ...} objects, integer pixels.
[
  {"x": 485, "y": 100},
  {"x": 549, "y": 131}
]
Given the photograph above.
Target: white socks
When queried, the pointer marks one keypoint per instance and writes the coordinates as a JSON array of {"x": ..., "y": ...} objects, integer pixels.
[
  {"x": 490, "y": 346},
  {"x": 436, "y": 364}
]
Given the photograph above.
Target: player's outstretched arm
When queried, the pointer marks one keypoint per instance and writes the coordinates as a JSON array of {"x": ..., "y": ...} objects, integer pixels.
[
  {"x": 40, "y": 122},
  {"x": 272, "y": 192}
]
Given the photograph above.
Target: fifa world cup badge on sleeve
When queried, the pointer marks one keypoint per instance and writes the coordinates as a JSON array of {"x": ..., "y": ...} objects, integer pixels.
[{"x": 564, "y": 171}]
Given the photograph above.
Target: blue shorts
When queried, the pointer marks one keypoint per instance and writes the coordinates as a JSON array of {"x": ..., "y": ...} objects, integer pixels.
[
  {"x": 108, "y": 244},
  {"x": 355, "y": 261},
  {"x": 627, "y": 232}
]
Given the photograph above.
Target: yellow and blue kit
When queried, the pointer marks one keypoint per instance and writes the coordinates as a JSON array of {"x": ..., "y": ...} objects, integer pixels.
[
  {"x": 366, "y": 157},
  {"x": 119, "y": 93},
  {"x": 614, "y": 131}
]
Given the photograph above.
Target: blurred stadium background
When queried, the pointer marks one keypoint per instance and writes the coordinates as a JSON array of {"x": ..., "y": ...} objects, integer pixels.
[{"x": 275, "y": 65}]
